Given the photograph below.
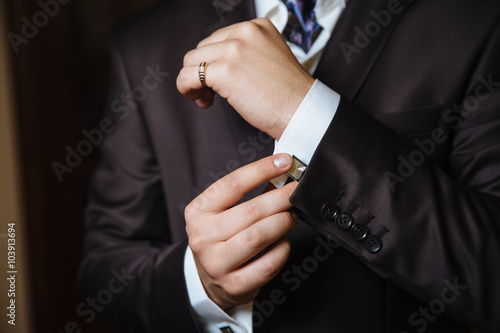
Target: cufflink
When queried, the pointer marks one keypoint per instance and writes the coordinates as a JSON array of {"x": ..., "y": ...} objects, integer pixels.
[{"x": 297, "y": 170}]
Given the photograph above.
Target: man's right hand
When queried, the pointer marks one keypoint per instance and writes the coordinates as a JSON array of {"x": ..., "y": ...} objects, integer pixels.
[{"x": 238, "y": 249}]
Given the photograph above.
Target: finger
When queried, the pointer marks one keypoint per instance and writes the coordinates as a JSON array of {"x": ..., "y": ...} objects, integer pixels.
[
  {"x": 242, "y": 216},
  {"x": 206, "y": 98},
  {"x": 260, "y": 271},
  {"x": 238, "y": 218},
  {"x": 253, "y": 240},
  {"x": 189, "y": 84},
  {"x": 188, "y": 80},
  {"x": 227, "y": 191},
  {"x": 208, "y": 53},
  {"x": 227, "y": 224},
  {"x": 241, "y": 29},
  {"x": 220, "y": 35},
  {"x": 221, "y": 65}
]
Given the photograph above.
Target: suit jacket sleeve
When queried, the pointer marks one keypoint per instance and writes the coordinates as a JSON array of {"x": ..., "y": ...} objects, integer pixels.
[
  {"x": 436, "y": 224},
  {"x": 127, "y": 227}
]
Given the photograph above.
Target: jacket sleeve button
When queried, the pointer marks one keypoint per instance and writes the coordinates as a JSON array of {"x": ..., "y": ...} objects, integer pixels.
[
  {"x": 359, "y": 231},
  {"x": 329, "y": 211},
  {"x": 373, "y": 244},
  {"x": 344, "y": 221}
]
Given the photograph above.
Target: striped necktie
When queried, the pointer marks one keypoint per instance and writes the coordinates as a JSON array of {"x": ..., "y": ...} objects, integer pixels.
[{"x": 302, "y": 28}]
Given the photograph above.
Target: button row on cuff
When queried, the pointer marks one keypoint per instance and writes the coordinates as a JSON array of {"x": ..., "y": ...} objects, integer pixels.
[{"x": 344, "y": 221}]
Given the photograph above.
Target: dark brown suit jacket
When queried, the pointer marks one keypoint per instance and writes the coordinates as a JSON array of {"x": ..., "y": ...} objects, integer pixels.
[{"x": 402, "y": 156}]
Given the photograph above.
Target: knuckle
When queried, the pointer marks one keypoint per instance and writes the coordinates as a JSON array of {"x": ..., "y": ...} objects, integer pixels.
[
  {"x": 288, "y": 220},
  {"x": 232, "y": 182},
  {"x": 264, "y": 168},
  {"x": 213, "y": 267},
  {"x": 204, "y": 200},
  {"x": 273, "y": 264},
  {"x": 252, "y": 211},
  {"x": 187, "y": 58},
  {"x": 236, "y": 47},
  {"x": 183, "y": 79},
  {"x": 288, "y": 191},
  {"x": 266, "y": 21},
  {"x": 228, "y": 69},
  {"x": 180, "y": 78},
  {"x": 196, "y": 242},
  {"x": 249, "y": 29},
  {"x": 233, "y": 286},
  {"x": 185, "y": 74},
  {"x": 254, "y": 238},
  {"x": 200, "y": 44},
  {"x": 236, "y": 287},
  {"x": 190, "y": 212},
  {"x": 287, "y": 247},
  {"x": 271, "y": 267},
  {"x": 284, "y": 197},
  {"x": 213, "y": 234},
  {"x": 263, "y": 22}
]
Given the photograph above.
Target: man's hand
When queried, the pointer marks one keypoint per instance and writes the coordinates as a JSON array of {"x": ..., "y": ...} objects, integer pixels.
[
  {"x": 250, "y": 65},
  {"x": 238, "y": 249}
]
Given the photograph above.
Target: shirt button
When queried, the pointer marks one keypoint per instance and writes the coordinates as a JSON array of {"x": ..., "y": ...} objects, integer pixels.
[
  {"x": 344, "y": 221},
  {"x": 329, "y": 211},
  {"x": 359, "y": 232},
  {"x": 373, "y": 244}
]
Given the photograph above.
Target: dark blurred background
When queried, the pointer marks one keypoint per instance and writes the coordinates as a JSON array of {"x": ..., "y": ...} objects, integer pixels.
[{"x": 58, "y": 81}]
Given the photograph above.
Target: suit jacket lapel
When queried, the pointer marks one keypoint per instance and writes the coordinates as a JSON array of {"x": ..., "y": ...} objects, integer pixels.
[
  {"x": 227, "y": 14},
  {"x": 240, "y": 129},
  {"x": 351, "y": 52}
]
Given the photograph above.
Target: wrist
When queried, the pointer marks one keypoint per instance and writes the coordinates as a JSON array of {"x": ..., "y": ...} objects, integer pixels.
[{"x": 296, "y": 97}]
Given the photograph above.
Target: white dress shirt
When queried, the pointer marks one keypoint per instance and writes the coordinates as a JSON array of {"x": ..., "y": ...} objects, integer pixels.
[{"x": 300, "y": 138}]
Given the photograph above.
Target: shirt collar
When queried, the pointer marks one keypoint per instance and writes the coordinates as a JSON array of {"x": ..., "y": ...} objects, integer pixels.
[{"x": 276, "y": 11}]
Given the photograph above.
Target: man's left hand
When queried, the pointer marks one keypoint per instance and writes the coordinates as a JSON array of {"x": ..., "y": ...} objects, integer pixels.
[{"x": 250, "y": 65}]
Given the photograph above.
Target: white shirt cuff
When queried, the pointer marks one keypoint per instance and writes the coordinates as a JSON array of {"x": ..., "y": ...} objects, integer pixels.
[
  {"x": 208, "y": 315},
  {"x": 308, "y": 126}
]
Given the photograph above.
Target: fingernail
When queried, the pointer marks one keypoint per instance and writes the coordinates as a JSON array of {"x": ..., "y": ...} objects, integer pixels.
[{"x": 282, "y": 161}]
